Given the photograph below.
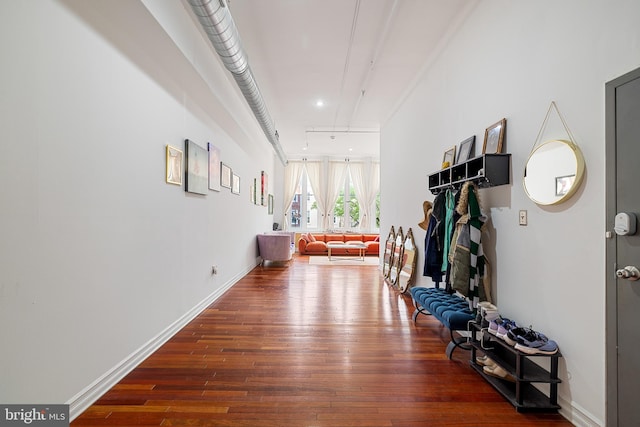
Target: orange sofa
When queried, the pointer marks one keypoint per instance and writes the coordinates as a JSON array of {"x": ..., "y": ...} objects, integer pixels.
[{"x": 316, "y": 243}]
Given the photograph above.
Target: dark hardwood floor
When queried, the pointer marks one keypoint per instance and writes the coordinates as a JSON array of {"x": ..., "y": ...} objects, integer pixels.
[{"x": 312, "y": 346}]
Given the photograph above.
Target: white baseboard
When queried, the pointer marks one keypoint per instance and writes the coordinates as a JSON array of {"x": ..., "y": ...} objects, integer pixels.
[
  {"x": 81, "y": 401},
  {"x": 577, "y": 415}
]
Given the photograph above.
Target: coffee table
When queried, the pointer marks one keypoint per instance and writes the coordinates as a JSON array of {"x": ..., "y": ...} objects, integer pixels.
[{"x": 347, "y": 245}]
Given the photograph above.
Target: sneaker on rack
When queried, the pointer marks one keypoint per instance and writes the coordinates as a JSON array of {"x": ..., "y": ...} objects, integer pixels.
[
  {"x": 498, "y": 372},
  {"x": 485, "y": 307},
  {"x": 505, "y": 327},
  {"x": 488, "y": 310},
  {"x": 531, "y": 338},
  {"x": 493, "y": 326},
  {"x": 512, "y": 335},
  {"x": 549, "y": 347},
  {"x": 485, "y": 361}
]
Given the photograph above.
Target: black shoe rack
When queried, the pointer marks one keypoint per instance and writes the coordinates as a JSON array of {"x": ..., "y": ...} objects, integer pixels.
[{"x": 522, "y": 393}]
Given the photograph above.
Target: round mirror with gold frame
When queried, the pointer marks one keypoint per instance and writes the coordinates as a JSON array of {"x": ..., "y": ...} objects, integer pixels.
[{"x": 553, "y": 172}]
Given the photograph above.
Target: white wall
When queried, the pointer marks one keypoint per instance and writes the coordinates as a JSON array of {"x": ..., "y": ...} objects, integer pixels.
[
  {"x": 511, "y": 59},
  {"x": 99, "y": 257}
]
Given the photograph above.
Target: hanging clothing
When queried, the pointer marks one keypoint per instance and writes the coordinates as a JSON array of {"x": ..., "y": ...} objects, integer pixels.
[
  {"x": 432, "y": 256},
  {"x": 432, "y": 242},
  {"x": 477, "y": 255},
  {"x": 451, "y": 217},
  {"x": 449, "y": 208},
  {"x": 468, "y": 273}
]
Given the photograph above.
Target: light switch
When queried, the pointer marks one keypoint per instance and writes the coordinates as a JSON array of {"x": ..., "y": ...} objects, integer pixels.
[{"x": 522, "y": 218}]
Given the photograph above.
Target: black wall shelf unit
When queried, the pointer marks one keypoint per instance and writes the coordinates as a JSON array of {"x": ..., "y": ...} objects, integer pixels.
[
  {"x": 487, "y": 170},
  {"x": 522, "y": 394}
]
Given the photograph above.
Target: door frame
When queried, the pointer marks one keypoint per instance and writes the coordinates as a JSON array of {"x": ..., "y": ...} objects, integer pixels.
[{"x": 611, "y": 290}]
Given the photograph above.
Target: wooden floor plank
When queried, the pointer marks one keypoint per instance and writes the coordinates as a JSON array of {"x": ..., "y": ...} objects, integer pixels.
[{"x": 307, "y": 345}]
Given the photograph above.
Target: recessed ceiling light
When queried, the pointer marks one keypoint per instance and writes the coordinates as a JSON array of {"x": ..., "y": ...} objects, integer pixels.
[
  {"x": 350, "y": 149},
  {"x": 319, "y": 103}
]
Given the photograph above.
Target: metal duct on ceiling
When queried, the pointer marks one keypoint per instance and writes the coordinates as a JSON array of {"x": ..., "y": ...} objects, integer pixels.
[{"x": 216, "y": 20}]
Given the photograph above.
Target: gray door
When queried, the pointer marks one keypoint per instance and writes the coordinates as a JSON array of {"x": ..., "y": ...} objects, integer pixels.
[{"x": 623, "y": 294}]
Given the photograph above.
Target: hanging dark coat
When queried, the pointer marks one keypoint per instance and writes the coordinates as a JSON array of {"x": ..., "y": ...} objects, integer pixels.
[{"x": 433, "y": 241}]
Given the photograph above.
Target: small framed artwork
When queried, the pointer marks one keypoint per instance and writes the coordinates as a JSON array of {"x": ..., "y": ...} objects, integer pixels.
[
  {"x": 225, "y": 175},
  {"x": 494, "y": 137},
  {"x": 252, "y": 192},
  {"x": 467, "y": 149},
  {"x": 263, "y": 188},
  {"x": 449, "y": 157},
  {"x": 270, "y": 206},
  {"x": 235, "y": 184},
  {"x": 563, "y": 184},
  {"x": 174, "y": 165},
  {"x": 256, "y": 198},
  {"x": 196, "y": 168},
  {"x": 214, "y": 167}
]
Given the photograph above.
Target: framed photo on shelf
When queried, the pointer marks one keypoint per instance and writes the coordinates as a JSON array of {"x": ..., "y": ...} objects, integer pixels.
[
  {"x": 449, "y": 157},
  {"x": 235, "y": 184},
  {"x": 494, "y": 137},
  {"x": 196, "y": 170},
  {"x": 214, "y": 167},
  {"x": 225, "y": 175},
  {"x": 467, "y": 150},
  {"x": 174, "y": 165}
]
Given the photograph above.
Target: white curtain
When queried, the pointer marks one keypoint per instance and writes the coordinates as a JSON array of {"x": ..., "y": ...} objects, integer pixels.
[
  {"x": 335, "y": 182},
  {"x": 366, "y": 184},
  {"x": 292, "y": 174},
  {"x": 374, "y": 191},
  {"x": 326, "y": 187},
  {"x": 318, "y": 182}
]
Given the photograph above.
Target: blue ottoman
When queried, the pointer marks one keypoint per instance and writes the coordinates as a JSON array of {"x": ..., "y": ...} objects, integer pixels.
[{"x": 450, "y": 310}]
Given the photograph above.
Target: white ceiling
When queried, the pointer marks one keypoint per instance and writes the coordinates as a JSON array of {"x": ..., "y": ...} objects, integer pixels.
[{"x": 360, "y": 57}]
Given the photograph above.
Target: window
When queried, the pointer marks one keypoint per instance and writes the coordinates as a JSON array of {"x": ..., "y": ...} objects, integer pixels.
[
  {"x": 304, "y": 209},
  {"x": 346, "y": 211}
]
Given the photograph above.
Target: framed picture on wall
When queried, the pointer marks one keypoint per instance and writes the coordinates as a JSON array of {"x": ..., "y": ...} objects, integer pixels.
[
  {"x": 197, "y": 168},
  {"x": 235, "y": 184},
  {"x": 494, "y": 137},
  {"x": 467, "y": 149},
  {"x": 214, "y": 167},
  {"x": 225, "y": 175},
  {"x": 256, "y": 193},
  {"x": 174, "y": 165},
  {"x": 270, "y": 206},
  {"x": 263, "y": 188}
]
